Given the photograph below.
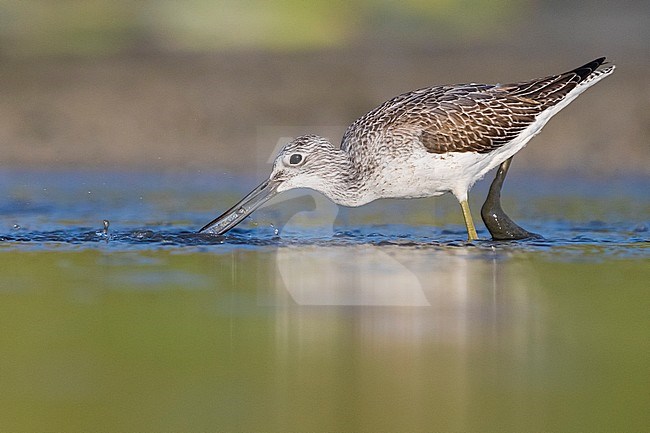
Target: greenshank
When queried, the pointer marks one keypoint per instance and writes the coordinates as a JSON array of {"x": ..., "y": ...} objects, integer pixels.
[{"x": 422, "y": 143}]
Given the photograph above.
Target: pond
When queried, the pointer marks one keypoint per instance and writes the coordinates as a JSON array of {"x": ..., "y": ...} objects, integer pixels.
[{"x": 311, "y": 317}]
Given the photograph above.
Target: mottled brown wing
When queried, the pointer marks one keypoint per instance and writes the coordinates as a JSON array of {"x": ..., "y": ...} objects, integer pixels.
[
  {"x": 478, "y": 123},
  {"x": 482, "y": 118},
  {"x": 550, "y": 90},
  {"x": 466, "y": 117}
]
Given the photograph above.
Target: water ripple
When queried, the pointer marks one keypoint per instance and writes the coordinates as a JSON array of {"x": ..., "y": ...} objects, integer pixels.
[
  {"x": 52, "y": 210},
  {"x": 568, "y": 239}
]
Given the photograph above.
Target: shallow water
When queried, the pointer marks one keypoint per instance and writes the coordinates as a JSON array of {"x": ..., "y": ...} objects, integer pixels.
[{"x": 315, "y": 318}]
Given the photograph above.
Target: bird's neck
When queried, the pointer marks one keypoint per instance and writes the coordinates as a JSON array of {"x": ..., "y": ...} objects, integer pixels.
[{"x": 345, "y": 186}]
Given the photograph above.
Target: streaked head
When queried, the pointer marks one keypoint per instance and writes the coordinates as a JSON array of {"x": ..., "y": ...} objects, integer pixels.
[
  {"x": 308, "y": 161},
  {"x": 305, "y": 162}
]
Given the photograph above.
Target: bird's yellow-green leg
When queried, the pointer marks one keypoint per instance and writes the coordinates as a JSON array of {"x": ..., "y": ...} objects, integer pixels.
[{"x": 469, "y": 223}]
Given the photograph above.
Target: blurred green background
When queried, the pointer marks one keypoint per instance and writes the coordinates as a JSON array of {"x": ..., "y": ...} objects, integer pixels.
[
  {"x": 95, "y": 27},
  {"x": 164, "y": 84}
]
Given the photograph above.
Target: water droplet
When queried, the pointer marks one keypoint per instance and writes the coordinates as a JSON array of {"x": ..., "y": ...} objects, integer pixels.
[
  {"x": 241, "y": 211},
  {"x": 106, "y": 224},
  {"x": 17, "y": 227}
]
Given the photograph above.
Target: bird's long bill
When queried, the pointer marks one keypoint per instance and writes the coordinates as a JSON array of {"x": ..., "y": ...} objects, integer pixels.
[{"x": 241, "y": 210}]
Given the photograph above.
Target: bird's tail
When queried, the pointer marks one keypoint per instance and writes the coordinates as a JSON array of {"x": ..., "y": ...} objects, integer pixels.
[
  {"x": 591, "y": 71},
  {"x": 549, "y": 90}
]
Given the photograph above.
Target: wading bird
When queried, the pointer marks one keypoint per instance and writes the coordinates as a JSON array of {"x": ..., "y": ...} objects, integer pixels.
[{"x": 422, "y": 143}]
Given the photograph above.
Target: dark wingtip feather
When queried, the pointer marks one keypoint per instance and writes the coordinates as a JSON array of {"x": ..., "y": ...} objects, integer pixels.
[{"x": 585, "y": 70}]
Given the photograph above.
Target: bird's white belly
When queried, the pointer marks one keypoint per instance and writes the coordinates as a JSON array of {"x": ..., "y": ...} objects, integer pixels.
[
  {"x": 426, "y": 174},
  {"x": 418, "y": 173}
]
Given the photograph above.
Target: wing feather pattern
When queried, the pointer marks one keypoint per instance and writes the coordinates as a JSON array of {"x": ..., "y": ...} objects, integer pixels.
[{"x": 468, "y": 117}]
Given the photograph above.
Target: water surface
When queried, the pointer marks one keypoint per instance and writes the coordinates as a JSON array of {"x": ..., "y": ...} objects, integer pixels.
[{"x": 315, "y": 318}]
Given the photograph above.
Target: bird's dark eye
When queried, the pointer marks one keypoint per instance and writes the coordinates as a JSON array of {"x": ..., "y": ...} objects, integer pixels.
[{"x": 295, "y": 159}]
